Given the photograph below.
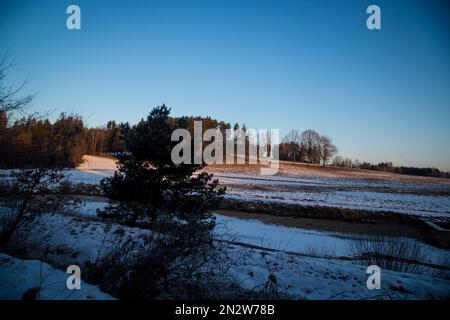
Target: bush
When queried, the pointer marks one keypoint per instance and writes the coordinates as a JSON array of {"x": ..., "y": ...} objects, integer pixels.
[
  {"x": 25, "y": 195},
  {"x": 399, "y": 254}
]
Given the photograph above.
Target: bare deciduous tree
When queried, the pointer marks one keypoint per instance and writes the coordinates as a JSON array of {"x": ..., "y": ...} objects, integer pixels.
[
  {"x": 26, "y": 194},
  {"x": 9, "y": 96},
  {"x": 293, "y": 140},
  {"x": 310, "y": 140},
  {"x": 10, "y": 100},
  {"x": 326, "y": 149}
]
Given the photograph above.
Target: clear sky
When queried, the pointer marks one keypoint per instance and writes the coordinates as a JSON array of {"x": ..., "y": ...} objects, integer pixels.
[{"x": 382, "y": 95}]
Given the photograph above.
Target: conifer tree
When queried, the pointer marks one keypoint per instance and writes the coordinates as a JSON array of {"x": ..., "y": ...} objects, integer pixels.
[{"x": 148, "y": 186}]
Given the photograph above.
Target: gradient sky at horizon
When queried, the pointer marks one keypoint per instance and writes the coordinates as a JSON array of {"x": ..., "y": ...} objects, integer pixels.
[{"x": 382, "y": 95}]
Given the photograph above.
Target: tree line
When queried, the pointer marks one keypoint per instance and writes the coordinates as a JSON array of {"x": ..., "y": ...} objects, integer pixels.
[
  {"x": 308, "y": 146},
  {"x": 312, "y": 148},
  {"x": 35, "y": 141},
  {"x": 389, "y": 167}
]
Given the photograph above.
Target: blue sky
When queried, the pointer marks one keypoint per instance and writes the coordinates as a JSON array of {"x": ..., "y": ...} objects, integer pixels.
[{"x": 382, "y": 95}]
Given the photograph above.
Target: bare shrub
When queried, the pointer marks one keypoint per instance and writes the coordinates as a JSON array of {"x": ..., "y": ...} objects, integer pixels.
[
  {"x": 25, "y": 195},
  {"x": 81, "y": 188},
  {"x": 399, "y": 254},
  {"x": 270, "y": 287}
]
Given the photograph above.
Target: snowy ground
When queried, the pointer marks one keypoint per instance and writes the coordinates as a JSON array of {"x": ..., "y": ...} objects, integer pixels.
[
  {"x": 308, "y": 264},
  {"x": 288, "y": 239},
  {"x": 414, "y": 204},
  {"x": 92, "y": 170},
  {"x": 20, "y": 277},
  {"x": 304, "y": 241},
  {"x": 79, "y": 237},
  {"x": 328, "y": 279},
  {"x": 417, "y": 198},
  {"x": 315, "y": 186}
]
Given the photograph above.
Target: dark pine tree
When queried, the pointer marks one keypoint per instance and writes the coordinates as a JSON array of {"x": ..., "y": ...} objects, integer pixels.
[{"x": 149, "y": 187}]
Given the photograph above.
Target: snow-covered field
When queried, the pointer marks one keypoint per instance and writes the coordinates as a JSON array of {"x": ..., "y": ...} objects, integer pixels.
[
  {"x": 92, "y": 170},
  {"x": 308, "y": 264},
  {"x": 426, "y": 197},
  {"x": 413, "y": 204},
  {"x": 21, "y": 277},
  {"x": 315, "y": 186},
  {"x": 283, "y": 238},
  {"x": 303, "y": 241}
]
